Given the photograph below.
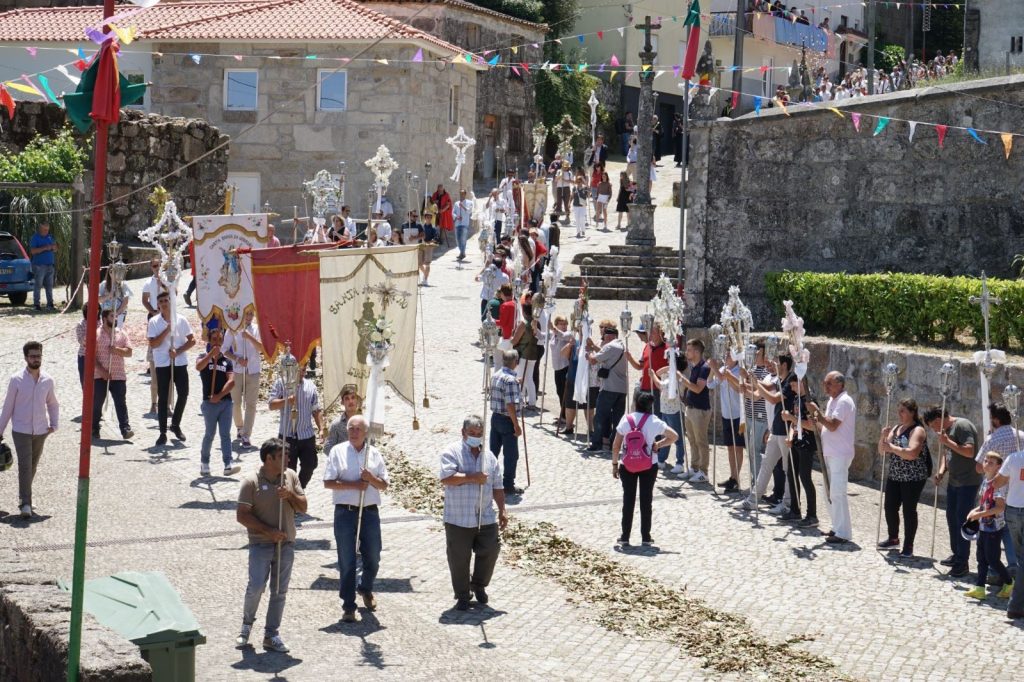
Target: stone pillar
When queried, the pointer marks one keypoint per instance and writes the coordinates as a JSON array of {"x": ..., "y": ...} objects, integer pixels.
[{"x": 641, "y": 212}]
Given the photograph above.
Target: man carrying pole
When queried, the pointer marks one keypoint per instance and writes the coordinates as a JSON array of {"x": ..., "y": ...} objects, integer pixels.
[
  {"x": 506, "y": 399},
  {"x": 260, "y": 503},
  {"x": 355, "y": 471},
  {"x": 468, "y": 472}
]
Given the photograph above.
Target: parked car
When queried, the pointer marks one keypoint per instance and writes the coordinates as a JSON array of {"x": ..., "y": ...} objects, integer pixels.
[{"x": 15, "y": 270}]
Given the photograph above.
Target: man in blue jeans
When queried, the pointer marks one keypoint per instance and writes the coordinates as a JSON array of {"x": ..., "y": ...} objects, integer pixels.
[
  {"x": 1011, "y": 474},
  {"x": 611, "y": 401},
  {"x": 462, "y": 213},
  {"x": 959, "y": 437},
  {"x": 355, "y": 471},
  {"x": 218, "y": 377},
  {"x": 1003, "y": 439},
  {"x": 42, "y": 248},
  {"x": 505, "y": 398}
]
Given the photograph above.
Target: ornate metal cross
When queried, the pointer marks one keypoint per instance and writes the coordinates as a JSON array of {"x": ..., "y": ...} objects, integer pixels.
[
  {"x": 648, "y": 55},
  {"x": 460, "y": 143},
  {"x": 171, "y": 236},
  {"x": 592, "y": 102},
  {"x": 986, "y": 301},
  {"x": 323, "y": 189},
  {"x": 382, "y": 166},
  {"x": 565, "y": 131},
  {"x": 540, "y": 133}
]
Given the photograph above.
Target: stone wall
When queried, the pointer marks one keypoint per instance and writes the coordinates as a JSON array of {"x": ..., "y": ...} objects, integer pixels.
[
  {"x": 401, "y": 105},
  {"x": 35, "y": 619},
  {"x": 808, "y": 192},
  {"x": 142, "y": 148}
]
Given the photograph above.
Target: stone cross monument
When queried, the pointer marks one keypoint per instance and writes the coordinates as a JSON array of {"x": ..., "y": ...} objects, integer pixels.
[{"x": 641, "y": 212}]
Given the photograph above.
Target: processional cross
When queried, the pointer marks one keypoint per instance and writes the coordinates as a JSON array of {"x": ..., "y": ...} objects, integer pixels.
[
  {"x": 460, "y": 143},
  {"x": 382, "y": 166},
  {"x": 323, "y": 189},
  {"x": 565, "y": 131},
  {"x": 986, "y": 301},
  {"x": 648, "y": 55}
]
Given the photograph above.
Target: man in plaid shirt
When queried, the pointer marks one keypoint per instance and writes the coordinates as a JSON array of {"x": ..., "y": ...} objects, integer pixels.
[
  {"x": 506, "y": 397},
  {"x": 1003, "y": 440},
  {"x": 472, "y": 478},
  {"x": 112, "y": 347}
]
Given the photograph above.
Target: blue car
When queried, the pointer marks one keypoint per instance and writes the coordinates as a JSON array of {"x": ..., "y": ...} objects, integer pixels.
[{"x": 15, "y": 270}]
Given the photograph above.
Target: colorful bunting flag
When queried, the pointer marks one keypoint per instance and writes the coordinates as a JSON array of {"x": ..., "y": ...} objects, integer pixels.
[
  {"x": 418, "y": 57},
  {"x": 974, "y": 133},
  {"x": 311, "y": 56},
  {"x": 913, "y": 127},
  {"x": 81, "y": 65},
  {"x": 692, "y": 40},
  {"x": 49, "y": 93},
  {"x": 614, "y": 61},
  {"x": 600, "y": 35},
  {"x": 735, "y": 99},
  {"x": 941, "y": 130},
  {"x": 515, "y": 70},
  {"x": 125, "y": 35},
  {"x": 622, "y": 31},
  {"x": 882, "y": 122},
  {"x": 81, "y": 53},
  {"x": 645, "y": 67},
  {"x": 7, "y": 101},
  {"x": 493, "y": 61},
  {"x": 612, "y": 77},
  {"x": 238, "y": 57},
  {"x": 196, "y": 58},
  {"x": 581, "y": 39},
  {"x": 382, "y": 61},
  {"x": 64, "y": 71},
  {"x": 856, "y": 121},
  {"x": 31, "y": 50},
  {"x": 757, "y": 106},
  {"x": 1007, "y": 143},
  {"x": 30, "y": 88}
]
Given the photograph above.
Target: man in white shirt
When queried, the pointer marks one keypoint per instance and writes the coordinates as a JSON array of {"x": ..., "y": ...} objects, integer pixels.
[
  {"x": 462, "y": 213},
  {"x": 497, "y": 206},
  {"x": 149, "y": 293},
  {"x": 1011, "y": 474},
  {"x": 355, "y": 471},
  {"x": 838, "y": 427},
  {"x": 243, "y": 348},
  {"x": 170, "y": 344}
]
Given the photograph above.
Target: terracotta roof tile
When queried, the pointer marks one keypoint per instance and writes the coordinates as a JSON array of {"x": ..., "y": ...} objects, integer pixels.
[{"x": 217, "y": 20}]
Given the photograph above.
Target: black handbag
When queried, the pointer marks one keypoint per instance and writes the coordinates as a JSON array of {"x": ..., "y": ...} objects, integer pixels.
[{"x": 603, "y": 372}]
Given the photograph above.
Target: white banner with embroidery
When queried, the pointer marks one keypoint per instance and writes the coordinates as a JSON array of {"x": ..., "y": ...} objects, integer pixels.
[
  {"x": 223, "y": 280},
  {"x": 357, "y": 288}
]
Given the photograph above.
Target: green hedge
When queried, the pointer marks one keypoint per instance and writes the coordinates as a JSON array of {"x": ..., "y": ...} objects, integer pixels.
[{"x": 911, "y": 308}]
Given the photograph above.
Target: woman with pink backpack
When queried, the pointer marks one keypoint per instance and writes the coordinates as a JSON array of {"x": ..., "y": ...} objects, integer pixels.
[{"x": 638, "y": 437}]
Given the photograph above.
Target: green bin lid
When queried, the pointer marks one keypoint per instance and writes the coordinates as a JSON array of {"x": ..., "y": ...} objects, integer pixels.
[{"x": 142, "y": 607}]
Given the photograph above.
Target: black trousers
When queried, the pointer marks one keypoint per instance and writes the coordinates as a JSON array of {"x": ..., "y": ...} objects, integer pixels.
[
  {"x": 803, "y": 458},
  {"x": 118, "y": 391},
  {"x": 163, "y": 386},
  {"x": 990, "y": 557},
  {"x": 560, "y": 375},
  {"x": 630, "y": 482},
  {"x": 905, "y": 495},
  {"x": 462, "y": 544},
  {"x": 302, "y": 457}
]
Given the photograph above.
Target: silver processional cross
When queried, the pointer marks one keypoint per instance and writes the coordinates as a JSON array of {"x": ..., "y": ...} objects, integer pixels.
[{"x": 986, "y": 301}]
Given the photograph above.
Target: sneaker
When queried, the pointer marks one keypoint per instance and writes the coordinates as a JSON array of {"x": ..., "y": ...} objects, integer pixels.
[
  {"x": 678, "y": 470},
  {"x": 731, "y": 486},
  {"x": 622, "y": 542},
  {"x": 976, "y": 592},
  {"x": 809, "y": 522},
  {"x": 791, "y": 516},
  {"x": 591, "y": 448},
  {"x": 127, "y": 434},
  {"x": 662, "y": 465},
  {"x": 350, "y": 617},
  {"x": 958, "y": 572},
  {"x": 176, "y": 430},
  {"x": 836, "y": 540},
  {"x": 275, "y": 644},
  {"x": 891, "y": 542},
  {"x": 232, "y": 469},
  {"x": 649, "y": 542},
  {"x": 698, "y": 477},
  {"x": 749, "y": 504},
  {"x": 779, "y": 509},
  {"x": 162, "y": 440},
  {"x": 1004, "y": 593},
  {"x": 26, "y": 511},
  {"x": 369, "y": 601},
  {"x": 245, "y": 442},
  {"x": 243, "y": 637},
  {"x": 949, "y": 561},
  {"x": 460, "y": 605}
]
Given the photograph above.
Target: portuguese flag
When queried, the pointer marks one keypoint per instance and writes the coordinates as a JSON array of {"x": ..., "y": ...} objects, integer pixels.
[{"x": 692, "y": 40}]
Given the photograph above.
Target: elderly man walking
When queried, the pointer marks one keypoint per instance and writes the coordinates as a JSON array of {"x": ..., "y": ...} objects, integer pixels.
[
  {"x": 31, "y": 408},
  {"x": 838, "y": 425},
  {"x": 355, "y": 471},
  {"x": 267, "y": 503},
  {"x": 471, "y": 477},
  {"x": 506, "y": 399}
]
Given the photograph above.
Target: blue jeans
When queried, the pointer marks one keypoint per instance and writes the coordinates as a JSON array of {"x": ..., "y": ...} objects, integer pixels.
[
  {"x": 346, "y": 517},
  {"x": 504, "y": 441},
  {"x": 609, "y": 410},
  {"x": 674, "y": 421},
  {"x": 1015, "y": 524},
  {"x": 43, "y": 275},
  {"x": 217, "y": 416},
  {"x": 461, "y": 235},
  {"x": 1011, "y": 553},
  {"x": 959, "y": 502},
  {"x": 263, "y": 567}
]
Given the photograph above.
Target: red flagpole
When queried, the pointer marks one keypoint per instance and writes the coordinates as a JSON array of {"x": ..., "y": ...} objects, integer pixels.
[{"x": 85, "y": 442}]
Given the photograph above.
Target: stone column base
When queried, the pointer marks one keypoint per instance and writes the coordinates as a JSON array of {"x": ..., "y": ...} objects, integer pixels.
[{"x": 641, "y": 225}]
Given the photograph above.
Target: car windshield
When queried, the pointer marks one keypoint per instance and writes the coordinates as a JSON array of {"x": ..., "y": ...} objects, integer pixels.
[{"x": 9, "y": 249}]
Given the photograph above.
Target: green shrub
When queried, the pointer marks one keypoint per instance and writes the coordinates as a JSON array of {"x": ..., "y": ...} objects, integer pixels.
[{"x": 924, "y": 309}]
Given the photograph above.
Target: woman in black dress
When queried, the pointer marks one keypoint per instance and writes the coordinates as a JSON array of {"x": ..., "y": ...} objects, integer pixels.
[{"x": 623, "y": 198}]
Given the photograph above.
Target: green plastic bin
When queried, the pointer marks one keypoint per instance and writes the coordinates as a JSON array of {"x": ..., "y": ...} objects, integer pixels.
[{"x": 145, "y": 609}]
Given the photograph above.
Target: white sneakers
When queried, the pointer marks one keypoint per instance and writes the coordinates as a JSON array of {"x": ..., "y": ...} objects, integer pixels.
[
  {"x": 778, "y": 509},
  {"x": 204, "y": 469},
  {"x": 750, "y": 503},
  {"x": 26, "y": 511},
  {"x": 243, "y": 637},
  {"x": 678, "y": 469},
  {"x": 698, "y": 477}
]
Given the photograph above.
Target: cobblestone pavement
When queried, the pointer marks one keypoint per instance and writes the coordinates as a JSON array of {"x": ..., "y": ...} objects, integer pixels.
[{"x": 151, "y": 511}]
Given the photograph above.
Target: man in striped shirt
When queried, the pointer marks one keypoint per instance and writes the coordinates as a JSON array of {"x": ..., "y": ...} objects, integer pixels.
[
  {"x": 299, "y": 410},
  {"x": 506, "y": 397},
  {"x": 112, "y": 347}
]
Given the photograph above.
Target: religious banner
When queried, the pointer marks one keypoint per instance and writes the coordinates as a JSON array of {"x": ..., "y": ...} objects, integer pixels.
[
  {"x": 223, "y": 281},
  {"x": 357, "y": 288},
  {"x": 286, "y": 293}
]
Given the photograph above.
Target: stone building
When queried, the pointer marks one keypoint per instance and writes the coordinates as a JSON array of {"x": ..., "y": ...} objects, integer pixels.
[
  {"x": 505, "y": 112},
  {"x": 299, "y": 85},
  {"x": 995, "y": 32}
]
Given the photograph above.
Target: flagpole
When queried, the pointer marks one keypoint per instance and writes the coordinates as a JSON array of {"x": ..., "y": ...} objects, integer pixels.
[{"x": 85, "y": 440}]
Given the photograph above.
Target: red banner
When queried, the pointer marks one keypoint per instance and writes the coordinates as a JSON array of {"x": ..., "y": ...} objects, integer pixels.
[{"x": 286, "y": 293}]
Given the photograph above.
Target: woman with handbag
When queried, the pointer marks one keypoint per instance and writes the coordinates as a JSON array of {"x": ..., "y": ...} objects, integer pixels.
[{"x": 910, "y": 465}]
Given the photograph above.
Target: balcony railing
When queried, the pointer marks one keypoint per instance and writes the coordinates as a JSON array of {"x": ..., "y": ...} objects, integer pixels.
[{"x": 771, "y": 28}]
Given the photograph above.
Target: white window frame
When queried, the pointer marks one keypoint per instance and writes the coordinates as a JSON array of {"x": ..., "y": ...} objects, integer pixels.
[
  {"x": 453, "y": 105},
  {"x": 234, "y": 177},
  {"x": 320, "y": 74},
  {"x": 227, "y": 76}
]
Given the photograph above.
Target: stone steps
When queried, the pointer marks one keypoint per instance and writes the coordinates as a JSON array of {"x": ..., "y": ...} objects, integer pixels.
[{"x": 656, "y": 263}]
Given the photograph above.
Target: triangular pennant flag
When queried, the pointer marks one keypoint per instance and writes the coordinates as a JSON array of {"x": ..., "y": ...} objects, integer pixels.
[
  {"x": 913, "y": 127},
  {"x": 735, "y": 99},
  {"x": 196, "y": 58},
  {"x": 764, "y": 69},
  {"x": 600, "y": 69},
  {"x": 941, "y": 130},
  {"x": 24, "y": 88},
  {"x": 600, "y": 35},
  {"x": 381, "y": 61},
  {"x": 580, "y": 36},
  {"x": 31, "y": 50},
  {"x": 882, "y": 122},
  {"x": 622, "y": 31},
  {"x": 97, "y": 36},
  {"x": 469, "y": 58},
  {"x": 64, "y": 71},
  {"x": 418, "y": 57},
  {"x": 974, "y": 133},
  {"x": 675, "y": 70},
  {"x": 1007, "y": 143},
  {"x": 535, "y": 46},
  {"x": 734, "y": 68},
  {"x": 645, "y": 67},
  {"x": 545, "y": 66},
  {"x": 524, "y": 66},
  {"x": 789, "y": 71},
  {"x": 7, "y": 101},
  {"x": 583, "y": 67},
  {"x": 125, "y": 35},
  {"x": 515, "y": 49},
  {"x": 494, "y": 60},
  {"x": 837, "y": 112},
  {"x": 81, "y": 65},
  {"x": 558, "y": 40},
  {"x": 757, "y": 106},
  {"x": 660, "y": 71},
  {"x": 49, "y": 93},
  {"x": 237, "y": 57},
  {"x": 614, "y": 61},
  {"x": 515, "y": 70},
  {"x": 712, "y": 93},
  {"x": 612, "y": 77},
  {"x": 554, "y": 67},
  {"x": 311, "y": 56},
  {"x": 488, "y": 53},
  {"x": 856, "y": 121},
  {"x": 81, "y": 53}
]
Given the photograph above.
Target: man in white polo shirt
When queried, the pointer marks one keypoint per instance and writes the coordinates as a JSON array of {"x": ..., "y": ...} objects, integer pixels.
[
  {"x": 1011, "y": 474},
  {"x": 838, "y": 425},
  {"x": 353, "y": 468},
  {"x": 170, "y": 342}
]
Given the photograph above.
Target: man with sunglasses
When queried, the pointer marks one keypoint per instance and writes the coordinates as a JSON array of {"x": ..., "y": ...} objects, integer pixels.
[
  {"x": 31, "y": 408},
  {"x": 170, "y": 341},
  {"x": 611, "y": 401}
]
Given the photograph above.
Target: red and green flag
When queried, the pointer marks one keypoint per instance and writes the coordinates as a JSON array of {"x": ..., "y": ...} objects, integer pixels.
[{"x": 692, "y": 41}]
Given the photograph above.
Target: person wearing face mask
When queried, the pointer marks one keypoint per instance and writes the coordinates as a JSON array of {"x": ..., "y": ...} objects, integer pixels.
[{"x": 472, "y": 480}]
